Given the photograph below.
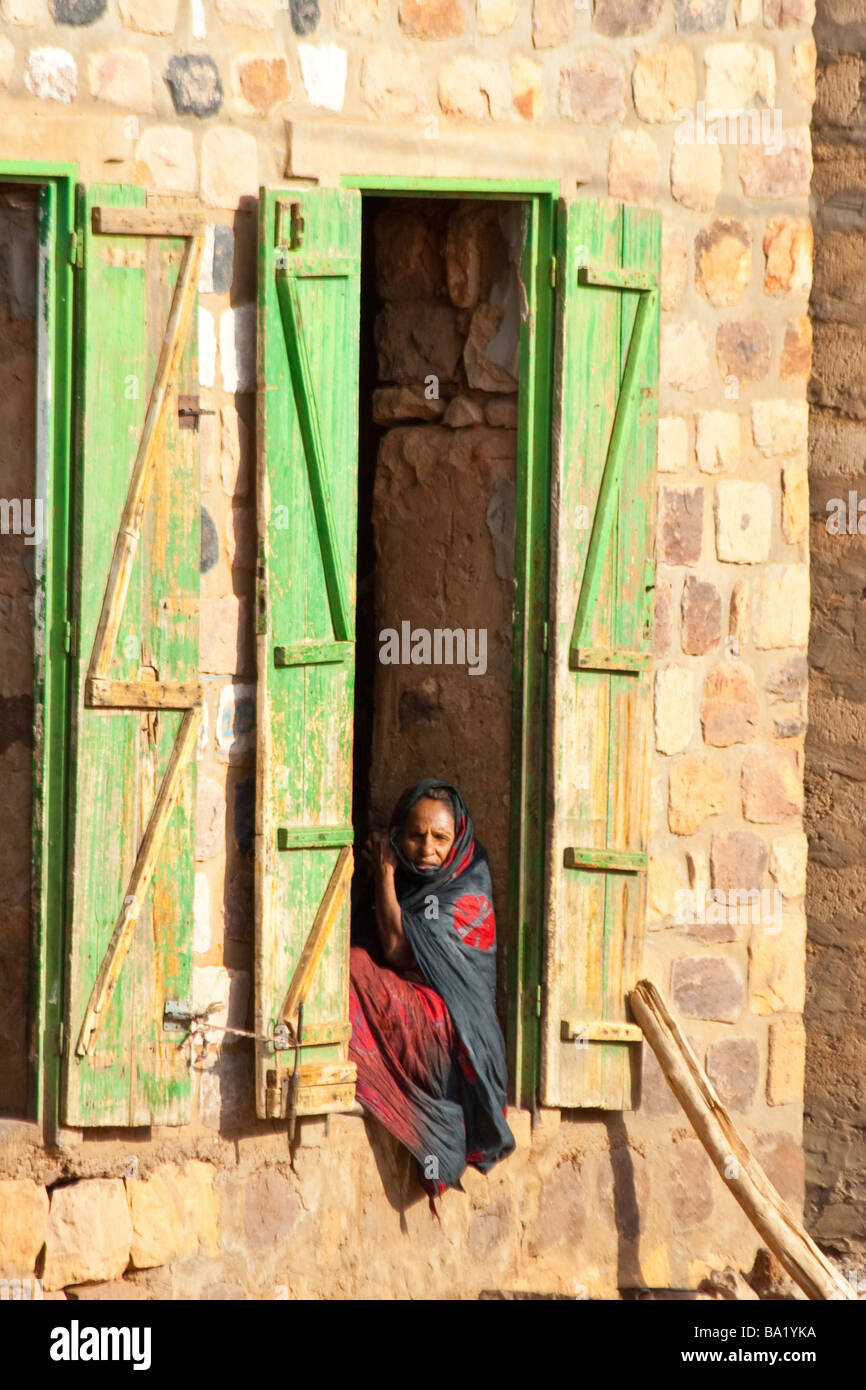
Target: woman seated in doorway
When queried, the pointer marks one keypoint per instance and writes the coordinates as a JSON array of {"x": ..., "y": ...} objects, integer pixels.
[{"x": 425, "y": 1037}]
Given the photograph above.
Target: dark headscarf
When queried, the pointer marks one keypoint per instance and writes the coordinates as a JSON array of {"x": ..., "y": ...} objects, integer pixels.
[{"x": 449, "y": 923}]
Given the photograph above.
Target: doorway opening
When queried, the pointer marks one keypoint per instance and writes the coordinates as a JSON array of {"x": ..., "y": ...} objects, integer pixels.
[{"x": 442, "y": 303}]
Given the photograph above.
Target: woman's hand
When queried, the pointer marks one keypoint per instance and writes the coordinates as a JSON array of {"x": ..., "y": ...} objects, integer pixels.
[{"x": 378, "y": 854}]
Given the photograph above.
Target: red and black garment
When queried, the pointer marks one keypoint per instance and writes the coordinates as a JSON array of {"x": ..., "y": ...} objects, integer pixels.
[{"x": 430, "y": 1056}]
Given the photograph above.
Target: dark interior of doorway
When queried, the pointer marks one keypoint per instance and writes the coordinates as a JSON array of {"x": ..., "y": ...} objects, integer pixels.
[
  {"x": 436, "y": 491},
  {"x": 19, "y": 212}
]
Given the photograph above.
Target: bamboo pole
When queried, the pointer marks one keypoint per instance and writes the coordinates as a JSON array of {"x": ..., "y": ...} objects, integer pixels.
[{"x": 817, "y": 1276}]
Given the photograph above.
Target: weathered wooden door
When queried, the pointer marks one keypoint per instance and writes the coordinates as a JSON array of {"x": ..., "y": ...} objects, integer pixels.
[
  {"x": 135, "y": 694},
  {"x": 308, "y": 336},
  {"x": 605, "y": 425}
]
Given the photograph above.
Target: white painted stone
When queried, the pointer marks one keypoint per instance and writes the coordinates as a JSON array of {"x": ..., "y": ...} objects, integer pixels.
[
  {"x": 202, "y": 938},
  {"x": 738, "y": 76},
  {"x": 780, "y": 606},
  {"x": 51, "y": 74},
  {"x": 780, "y": 426},
  {"x": 225, "y": 994},
  {"x": 7, "y": 60},
  {"x": 238, "y": 348},
  {"x": 22, "y": 11},
  {"x": 197, "y": 19},
  {"x": 324, "y": 68},
  {"x": 206, "y": 348},
  {"x": 674, "y": 709},
  {"x": 743, "y": 513},
  {"x": 165, "y": 159},
  {"x": 236, "y": 719},
  {"x": 717, "y": 440}
]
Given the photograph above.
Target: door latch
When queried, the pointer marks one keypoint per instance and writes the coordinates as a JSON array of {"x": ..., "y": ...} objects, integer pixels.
[{"x": 189, "y": 411}]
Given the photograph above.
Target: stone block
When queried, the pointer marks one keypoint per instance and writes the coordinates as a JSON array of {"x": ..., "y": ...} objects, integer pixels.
[
  {"x": 160, "y": 1229},
  {"x": 772, "y": 786},
  {"x": 149, "y": 16},
  {"x": 235, "y": 728},
  {"x": 738, "y": 76},
  {"x": 674, "y": 709},
  {"x": 675, "y": 263},
  {"x": 432, "y": 19},
  {"x": 488, "y": 349},
  {"x": 665, "y": 880},
  {"x": 206, "y": 348},
  {"x": 476, "y": 254},
  {"x": 743, "y": 350},
  {"x": 795, "y": 363},
  {"x": 165, "y": 159},
  {"x": 238, "y": 348},
  {"x": 743, "y": 515},
  {"x": 473, "y": 88},
  {"x": 787, "y": 173},
  {"x": 788, "y": 859},
  {"x": 561, "y": 1218},
  {"x": 782, "y": 1158},
  {"x": 78, "y": 12},
  {"x": 780, "y": 607},
  {"x": 696, "y": 792},
  {"x": 493, "y": 16},
  {"x": 789, "y": 14},
  {"x": 696, "y": 175},
  {"x": 23, "y": 1222},
  {"x": 707, "y": 987},
  {"x": 304, "y": 16},
  {"x": 394, "y": 84},
  {"x": 210, "y": 834},
  {"x": 226, "y": 1098},
  {"x": 463, "y": 411},
  {"x": 122, "y": 77},
  {"x": 393, "y": 404},
  {"x": 733, "y": 1066},
  {"x": 656, "y": 1096},
  {"x": 717, "y": 440},
  {"x": 408, "y": 250},
  {"x": 271, "y": 1209},
  {"x": 229, "y": 167},
  {"x": 788, "y": 255},
  {"x": 789, "y": 680},
  {"x": 89, "y": 1233},
  {"x": 359, "y": 16},
  {"x": 592, "y": 88},
  {"x": 681, "y": 522},
  {"x": 723, "y": 261},
  {"x": 781, "y": 427},
  {"x": 804, "y": 61},
  {"x": 552, "y": 22},
  {"x": 247, "y": 14},
  {"x": 417, "y": 341},
  {"x": 685, "y": 362},
  {"x": 26, "y": 12},
  {"x": 618, "y": 18},
  {"x": 673, "y": 444},
  {"x": 786, "y": 1065},
  {"x": 195, "y": 84},
  {"x": 623, "y": 1191},
  {"x": 634, "y": 170},
  {"x": 663, "y": 623},
  {"x": 51, "y": 74},
  {"x": 234, "y": 453},
  {"x": 731, "y": 708},
  {"x": 738, "y": 861},
  {"x": 739, "y": 618},
  {"x": 324, "y": 68},
  {"x": 691, "y": 1190},
  {"x": 527, "y": 87},
  {"x": 701, "y": 616},
  {"x": 795, "y": 501},
  {"x": 664, "y": 82}
]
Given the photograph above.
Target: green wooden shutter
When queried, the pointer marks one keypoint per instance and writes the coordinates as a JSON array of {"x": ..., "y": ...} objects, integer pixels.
[
  {"x": 308, "y": 343},
  {"x": 605, "y": 423},
  {"x": 135, "y": 694}
]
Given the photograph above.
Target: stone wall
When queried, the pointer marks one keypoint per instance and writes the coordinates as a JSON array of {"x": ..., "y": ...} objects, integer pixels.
[
  {"x": 206, "y": 101},
  {"x": 18, "y": 244},
  {"x": 835, "y": 1120}
]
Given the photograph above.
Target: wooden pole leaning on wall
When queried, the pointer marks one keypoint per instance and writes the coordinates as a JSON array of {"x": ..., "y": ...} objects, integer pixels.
[{"x": 817, "y": 1276}]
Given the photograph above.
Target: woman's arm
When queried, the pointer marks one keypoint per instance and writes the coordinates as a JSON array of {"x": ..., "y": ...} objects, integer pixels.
[{"x": 389, "y": 918}]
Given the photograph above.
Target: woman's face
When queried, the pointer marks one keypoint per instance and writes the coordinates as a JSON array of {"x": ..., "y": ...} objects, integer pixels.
[{"x": 428, "y": 834}]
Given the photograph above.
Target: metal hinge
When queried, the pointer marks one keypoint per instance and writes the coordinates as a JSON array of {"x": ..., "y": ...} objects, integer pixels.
[
  {"x": 60, "y": 1039},
  {"x": 544, "y": 636},
  {"x": 75, "y": 251},
  {"x": 553, "y": 272},
  {"x": 68, "y": 636},
  {"x": 538, "y": 1001}
]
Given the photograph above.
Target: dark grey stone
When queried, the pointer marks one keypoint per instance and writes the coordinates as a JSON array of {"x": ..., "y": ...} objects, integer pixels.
[
  {"x": 195, "y": 84},
  {"x": 78, "y": 11},
  {"x": 223, "y": 259},
  {"x": 209, "y": 542},
  {"x": 305, "y": 15},
  {"x": 697, "y": 16}
]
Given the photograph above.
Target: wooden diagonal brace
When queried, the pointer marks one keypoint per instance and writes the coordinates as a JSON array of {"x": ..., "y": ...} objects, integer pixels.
[
  {"x": 144, "y": 467},
  {"x": 325, "y": 918},
  {"x": 139, "y": 881}
]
